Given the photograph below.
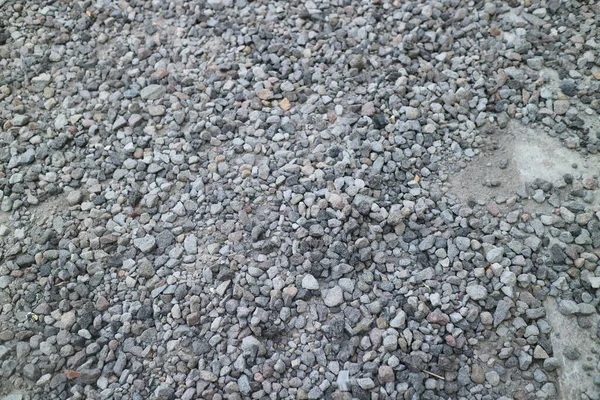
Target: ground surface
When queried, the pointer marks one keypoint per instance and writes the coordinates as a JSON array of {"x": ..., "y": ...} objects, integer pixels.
[{"x": 309, "y": 200}]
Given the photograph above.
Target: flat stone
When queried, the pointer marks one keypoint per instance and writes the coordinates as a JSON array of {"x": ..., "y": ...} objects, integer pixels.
[
  {"x": 568, "y": 307},
  {"x": 264, "y": 94},
  {"x": 502, "y": 312},
  {"x": 153, "y": 92},
  {"x": 365, "y": 383},
  {"x": 208, "y": 376},
  {"x": 586, "y": 309},
  {"x": 427, "y": 243},
  {"x": 12, "y": 396},
  {"x": 244, "y": 384},
  {"x": 594, "y": 281},
  {"x": 20, "y": 120},
  {"x": 25, "y": 260}
]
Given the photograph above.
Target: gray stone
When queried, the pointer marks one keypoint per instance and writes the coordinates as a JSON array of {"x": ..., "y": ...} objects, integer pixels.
[
  {"x": 74, "y": 197},
  {"x": 586, "y": 309},
  {"x": 12, "y": 396},
  {"x": 244, "y": 384},
  {"x": 463, "y": 243},
  {"x": 365, "y": 383},
  {"x": 492, "y": 378},
  {"x": 309, "y": 282},
  {"x": 568, "y": 307},
  {"x": 539, "y": 376},
  {"x": 315, "y": 393},
  {"x": 343, "y": 380},
  {"x": 427, "y": 243},
  {"x": 89, "y": 376},
  {"x": 145, "y": 244},
  {"x": 539, "y": 353},
  {"x": 494, "y": 255},
  {"x": 190, "y": 244},
  {"x": 31, "y": 372},
  {"x": 551, "y": 364},
  {"x": 153, "y": 92},
  {"x": 164, "y": 391},
  {"x": 572, "y": 352},
  {"x": 4, "y": 352},
  {"x": 164, "y": 239},
  {"x": 477, "y": 292},
  {"x": 145, "y": 269},
  {"x": 20, "y": 120},
  {"x": 334, "y": 297},
  {"x": 5, "y": 280},
  {"x": 412, "y": 113},
  {"x": 594, "y": 281},
  {"x": 25, "y": 260},
  {"x": 525, "y": 360},
  {"x": 399, "y": 321},
  {"x": 502, "y": 312}
]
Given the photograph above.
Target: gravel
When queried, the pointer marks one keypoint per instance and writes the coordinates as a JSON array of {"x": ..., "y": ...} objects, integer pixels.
[{"x": 241, "y": 199}]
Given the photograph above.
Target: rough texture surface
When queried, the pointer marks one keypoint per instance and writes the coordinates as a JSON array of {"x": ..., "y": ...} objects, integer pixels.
[{"x": 232, "y": 199}]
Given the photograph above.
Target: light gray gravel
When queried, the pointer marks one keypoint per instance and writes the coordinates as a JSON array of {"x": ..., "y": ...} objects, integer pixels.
[{"x": 314, "y": 200}]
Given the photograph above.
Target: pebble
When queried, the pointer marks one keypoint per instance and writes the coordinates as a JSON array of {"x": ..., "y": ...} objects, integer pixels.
[
  {"x": 309, "y": 282},
  {"x": 74, "y": 198},
  {"x": 494, "y": 255},
  {"x": 334, "y": 297},
  {"x": 551, "y": 364},
  {"x": 477, "y": 292},
  {"x": 477, "y": 374},
  {"x": 568, "y": 307},
  {"x": 502, "y": 312},
  {"x": 412, "y": 113},
  {"x": 492, "y": 378},
  {"x": 399, "y": 320},
  {"x": 385, "y": 374},
  {"x": 153, "y": 92},
  {"x": 145, "y": 244}
]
